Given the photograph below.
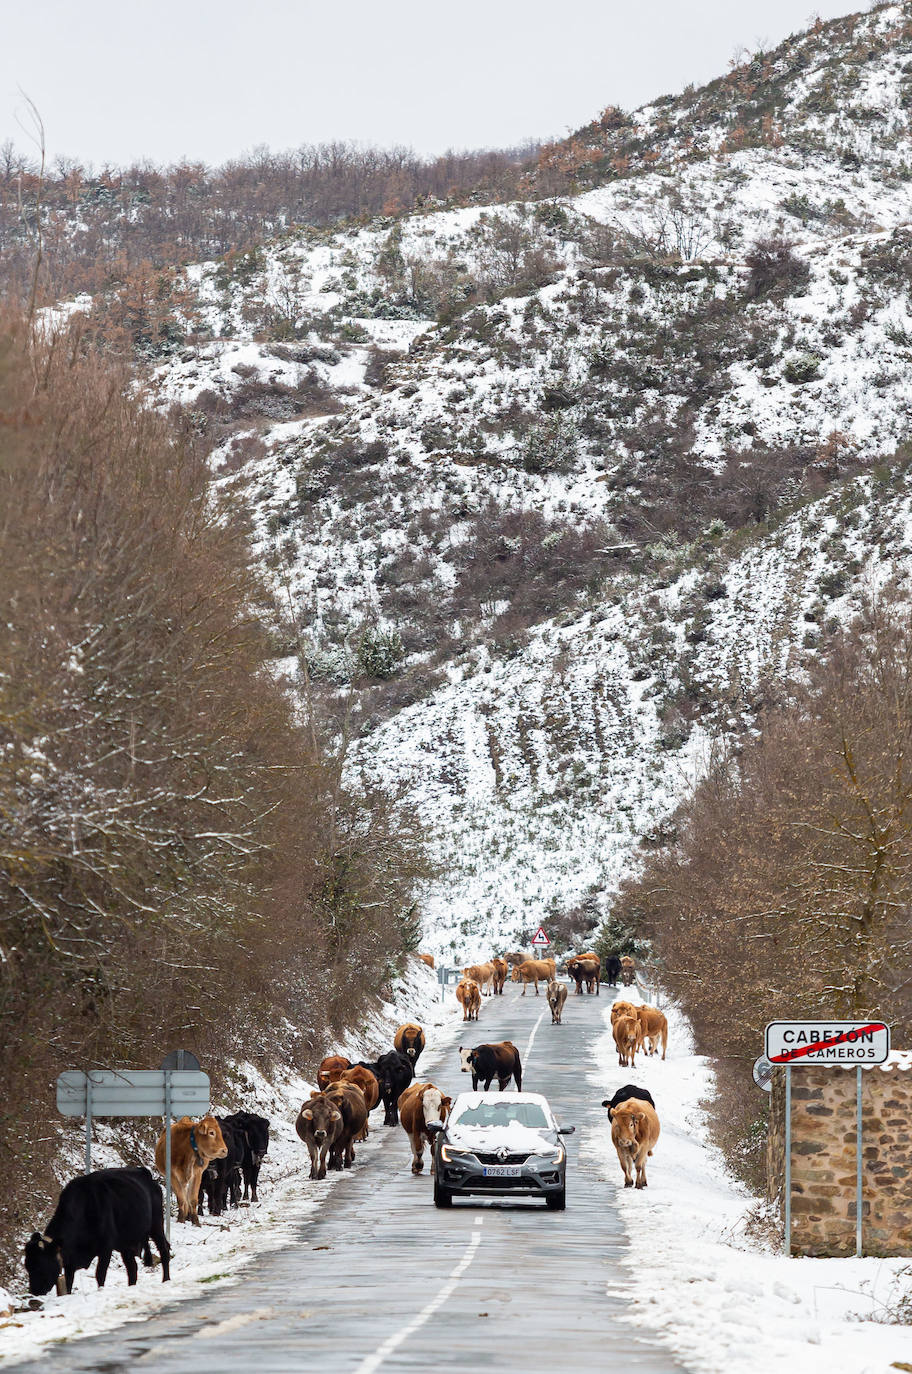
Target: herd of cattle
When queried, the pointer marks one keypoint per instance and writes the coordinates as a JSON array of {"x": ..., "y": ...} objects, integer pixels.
[
  {"x": 480, "y": 980},
  {"x": 121, "y": 1209}
]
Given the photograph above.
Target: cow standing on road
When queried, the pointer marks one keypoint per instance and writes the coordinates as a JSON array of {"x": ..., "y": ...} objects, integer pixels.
[
  {"x": 557, "y": 996},
  {"x": 487, "y": 1062}
]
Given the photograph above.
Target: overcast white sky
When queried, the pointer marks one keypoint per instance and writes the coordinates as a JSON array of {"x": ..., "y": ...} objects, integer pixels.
[{"x": 118, "y": 80}]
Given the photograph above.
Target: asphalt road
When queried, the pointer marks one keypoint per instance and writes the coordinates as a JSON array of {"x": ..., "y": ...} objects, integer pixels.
[{"x": 383, "y": 1280}]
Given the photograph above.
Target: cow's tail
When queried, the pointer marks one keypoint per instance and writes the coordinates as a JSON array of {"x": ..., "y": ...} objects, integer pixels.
[{"x": 517, "y": 1071}]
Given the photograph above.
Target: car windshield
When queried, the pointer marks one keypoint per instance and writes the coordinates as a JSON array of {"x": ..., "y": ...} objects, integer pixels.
[{"x": 504, "y": 1114}]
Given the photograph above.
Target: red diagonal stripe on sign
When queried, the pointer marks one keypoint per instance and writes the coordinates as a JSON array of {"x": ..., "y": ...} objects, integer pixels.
[{"x": 839, "y": 1039}]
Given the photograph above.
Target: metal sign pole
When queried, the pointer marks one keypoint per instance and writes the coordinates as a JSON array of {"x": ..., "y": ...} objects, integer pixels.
[
  {"x": 88, "y": 1124},
  {"x": 859, "y": 1185},
  {"x": 168, "y": 1155},
  {"x": 788, "y": 1160}
]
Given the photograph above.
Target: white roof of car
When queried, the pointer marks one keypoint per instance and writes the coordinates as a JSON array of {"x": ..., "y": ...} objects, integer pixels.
[{"x": 474, "y": 1099}]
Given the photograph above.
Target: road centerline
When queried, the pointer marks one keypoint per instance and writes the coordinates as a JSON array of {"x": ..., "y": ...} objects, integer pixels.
[{"x": 375, "y": 1360}]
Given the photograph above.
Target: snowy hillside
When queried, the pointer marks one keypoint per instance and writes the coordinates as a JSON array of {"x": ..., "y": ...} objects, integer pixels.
[{"x": 552, "y": 492}]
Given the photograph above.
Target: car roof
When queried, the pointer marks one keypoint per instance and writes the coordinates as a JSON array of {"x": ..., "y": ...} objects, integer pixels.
[{"x": 474, "y": 1099}]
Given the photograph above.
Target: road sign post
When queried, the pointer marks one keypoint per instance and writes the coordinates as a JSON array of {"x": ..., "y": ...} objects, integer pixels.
[
  {"x": 133, "y": 1092},
  {"x": 826, "y": 1044}
]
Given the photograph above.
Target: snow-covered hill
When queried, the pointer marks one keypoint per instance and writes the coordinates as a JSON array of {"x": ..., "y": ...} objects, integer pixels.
[{"x": 557, "y": 490}]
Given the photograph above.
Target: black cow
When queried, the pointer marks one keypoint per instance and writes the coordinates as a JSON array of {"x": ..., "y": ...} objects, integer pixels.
[
  {"x": 256, "y": 1146},
  {"x": 624, "y": 1094},
  {"x": 487, "y": 1062},
  {"x": 221, "y": 1180},
  {"x": 612, "y": 970},
  {"x": 394, "y": 1072},
  {"x": 96, "y": 1214}
]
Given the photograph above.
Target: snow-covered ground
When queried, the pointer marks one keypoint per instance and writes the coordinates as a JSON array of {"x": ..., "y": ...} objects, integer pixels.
[
  {"x": 723, "y": 1303},
  {"x": 216, "y": 1252}
]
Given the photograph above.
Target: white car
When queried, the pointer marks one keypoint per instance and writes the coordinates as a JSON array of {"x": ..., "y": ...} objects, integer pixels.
[{"x": 506, "y": 1144}]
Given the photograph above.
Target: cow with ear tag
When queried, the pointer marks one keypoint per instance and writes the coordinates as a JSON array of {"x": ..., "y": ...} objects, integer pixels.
[
  {"x": 319, "y": 1125},
  {"x": 96, "y": 1214}
]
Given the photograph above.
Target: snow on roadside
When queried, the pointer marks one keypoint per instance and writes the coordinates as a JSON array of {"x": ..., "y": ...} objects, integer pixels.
[
  {"x": 719, "y": 1301},
  {"x": 216, "y": 1252}
]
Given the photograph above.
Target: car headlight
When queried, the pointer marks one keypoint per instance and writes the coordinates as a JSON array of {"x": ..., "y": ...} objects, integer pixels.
[
  {"x": 450, "y": 1155},
  {"x": 551, "y": 1157}
]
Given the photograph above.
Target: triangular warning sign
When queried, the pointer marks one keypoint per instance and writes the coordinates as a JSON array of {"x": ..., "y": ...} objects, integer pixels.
[{"x": 540, "y": 938}]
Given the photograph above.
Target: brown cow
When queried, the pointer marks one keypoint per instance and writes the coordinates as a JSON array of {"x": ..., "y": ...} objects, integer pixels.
[
  {"x": 333, "y": 1063},
  {"x": 427, "y": 959},
  {"x": 319, "y": 1124},
  {"x": 628, "y": 970},
  {"x": 409, "y": 1040},
  {"x": 621, "y": 1008},
  {"x": 349, "y": 1101},
  {"x": 193, "y": 1145},
  {"x": 483, "y": 975},
  {"x": 531, "y": 970},
  {"x": 469, "y": 998},
  {"x": 420, "y": 1106},
  {"x": 634, "y": 1131},
  {"x": 363, "y": 1078},
  {"x": 515, "y": 957},
  {"x": 585, "y": 968},
  {"x": 500, "y": 974},
  {"x": 653, "y": 1027},
  {"x": 627, "y": 1039},
  {"x": 557, "y": 996}
]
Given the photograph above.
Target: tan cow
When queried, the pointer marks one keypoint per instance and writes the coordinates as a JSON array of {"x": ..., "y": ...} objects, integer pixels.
[
  {"x": 628, "y": 970},
  {"x": 501, "y": 970},
  {"x": 332, "y": 1064},
  {"x": 427, "y": 959},
  {"x": 348, "y": 1099},
  {"x": 620, "y": 1008},
  {"x": 627, "y": 1038},
  {"x": 365, "y": 1080},
  {"x": 653, "y": 1027},
  {"x": 409, "y": 1040},
  {"x": 634, "y": 1131},
  {"x": 420, "y": 1106},
  {"x": 533, "y": 970},
  {"x": 483, "y": 975},
  {"x": 515, "y": 957},
  {"x": 468, "y": 996},
  {"x": 193, "y": 1145},
  {"x": 557, "y": 996}
]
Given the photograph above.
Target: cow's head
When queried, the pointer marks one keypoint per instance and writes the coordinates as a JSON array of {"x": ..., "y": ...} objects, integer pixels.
[
  {"x": 42, "y": 1264},
  {"x": 320, "y": 1115},
  {"x": 515, "y": 976},
  {"x": 210, "y": 1143},
  {"x": 466, "y": 1060},
  {"x": 626, "y": 1120},
  {"x": 434, "y": 1106},
  {"x": 257, "y": 1131}
]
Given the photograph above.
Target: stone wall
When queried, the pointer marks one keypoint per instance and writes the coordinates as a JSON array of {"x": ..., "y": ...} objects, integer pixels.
[{"x": 824, "y": 1159}]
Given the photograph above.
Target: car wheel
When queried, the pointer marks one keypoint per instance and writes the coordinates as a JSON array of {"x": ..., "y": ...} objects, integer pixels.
[
  {"x": 442, "y": 1196},
  {"x": 557, "y": 1201}
]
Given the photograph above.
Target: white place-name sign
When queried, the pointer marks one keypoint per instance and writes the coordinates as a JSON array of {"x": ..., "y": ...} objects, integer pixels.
[{"x": 798, "y": 1043}]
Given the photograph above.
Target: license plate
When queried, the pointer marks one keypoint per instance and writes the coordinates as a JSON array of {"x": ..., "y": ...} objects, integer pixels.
[{"x": 503, "y": 1171}]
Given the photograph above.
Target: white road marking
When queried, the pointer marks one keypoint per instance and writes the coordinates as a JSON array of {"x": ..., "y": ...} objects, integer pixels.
[
  {"x": 374, "y": 1361},
  {"x": 531, "y": 1040}
]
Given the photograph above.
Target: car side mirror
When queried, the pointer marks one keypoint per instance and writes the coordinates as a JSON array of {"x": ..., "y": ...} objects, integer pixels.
[
  {"x": 434, "y": 1127},
  {"x": 566, "y": 1130}
]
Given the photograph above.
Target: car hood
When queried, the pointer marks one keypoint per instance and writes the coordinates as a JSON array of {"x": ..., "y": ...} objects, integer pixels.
[{"x": 513, "y": 1137}]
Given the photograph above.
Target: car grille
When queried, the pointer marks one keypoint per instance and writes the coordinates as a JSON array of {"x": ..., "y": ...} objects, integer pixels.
[{"x": 499, "y": 1159}]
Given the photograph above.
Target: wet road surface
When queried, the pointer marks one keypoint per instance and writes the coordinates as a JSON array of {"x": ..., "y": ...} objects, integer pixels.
[{"x": 383, "y": 1280}]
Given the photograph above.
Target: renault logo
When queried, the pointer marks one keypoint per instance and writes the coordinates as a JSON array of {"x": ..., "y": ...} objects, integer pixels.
[{"x": 503, "y": 1154}]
